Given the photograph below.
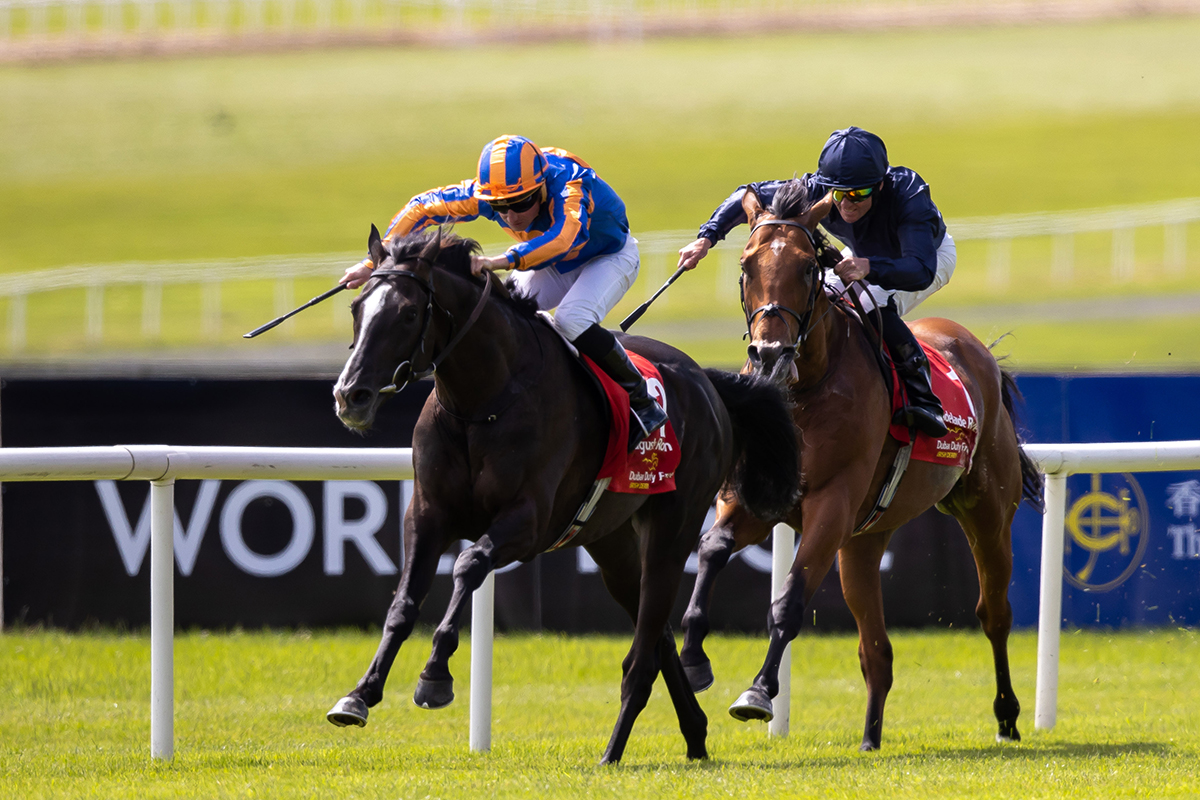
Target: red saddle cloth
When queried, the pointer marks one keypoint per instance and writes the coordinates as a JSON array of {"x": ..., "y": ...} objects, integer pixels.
[
  {"x": 957, "y": 447},
  {"x": 650, "y": 468}
]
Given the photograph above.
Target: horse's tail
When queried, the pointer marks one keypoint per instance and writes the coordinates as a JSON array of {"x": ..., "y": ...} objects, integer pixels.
[
  {"x": 1031, "y": 477},
  {"x": 766, "y": 470}
]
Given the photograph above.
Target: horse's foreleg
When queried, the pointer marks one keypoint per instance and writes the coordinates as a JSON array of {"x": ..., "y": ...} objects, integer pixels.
[
  {"x": 435, "y": 687},
  {"x": 859, "y": 567},
  {"x": 826, "y": 523},
  {"x": 420, "y": 567}
]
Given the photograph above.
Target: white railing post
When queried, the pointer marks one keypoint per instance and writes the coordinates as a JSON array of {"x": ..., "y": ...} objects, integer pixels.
[
  {"x": 16, "y": 323},
  {"x": 482, "y": 639},
  {"x": 285, "y": 302},
  {"x": 210, "y": 309},
  {"x": 783, "y": 552},
  {"x": 1175, "y": 248},
  {"x": 1050, "y": 601},
  {"x": 999, "y": 262},
  {"x": 1062, "y": 263},
  {"x": 152, "y": 309},
  {"x": 1123, "y": 263},
  {"x": 95, "y": 312},
  {"x": 162, "y": 619}
]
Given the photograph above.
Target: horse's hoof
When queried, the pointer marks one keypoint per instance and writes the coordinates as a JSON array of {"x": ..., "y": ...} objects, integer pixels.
[
  {"x": 348, "y": 711},
  {"x": 699, "y": 676},
  {"x": 868, "y": 747},
  {"x": 753, "y": 704},
  {"x": 1008, "y": 733},
  {"x": 434, "y": 694}
]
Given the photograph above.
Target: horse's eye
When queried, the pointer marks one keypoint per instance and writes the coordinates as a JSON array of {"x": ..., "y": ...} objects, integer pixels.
[{"x": 409, "y": 315}]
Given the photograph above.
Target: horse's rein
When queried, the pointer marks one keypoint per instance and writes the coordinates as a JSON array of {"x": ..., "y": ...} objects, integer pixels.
[
  {"x": 393, "y": 388},
  {"x": 804, "y": 323}
]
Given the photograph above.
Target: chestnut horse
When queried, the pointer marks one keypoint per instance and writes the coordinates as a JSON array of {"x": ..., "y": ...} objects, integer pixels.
[
  {"x": 506, "y": 452},
  {"x": 842, "y": 411}
]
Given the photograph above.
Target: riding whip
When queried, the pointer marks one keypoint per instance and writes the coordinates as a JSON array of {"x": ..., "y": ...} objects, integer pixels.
[
  {"x": 294, "y": 312},
  {"x": 637, "y": 312}
]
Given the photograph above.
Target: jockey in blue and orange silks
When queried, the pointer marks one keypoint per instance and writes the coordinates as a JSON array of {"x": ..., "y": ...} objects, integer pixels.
[{"x": 574, "y": 252}]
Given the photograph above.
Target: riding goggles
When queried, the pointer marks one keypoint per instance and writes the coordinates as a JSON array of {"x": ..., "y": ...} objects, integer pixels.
[
  {"x": 853, "y": 195},
  {"x": 519, "y": 205}
]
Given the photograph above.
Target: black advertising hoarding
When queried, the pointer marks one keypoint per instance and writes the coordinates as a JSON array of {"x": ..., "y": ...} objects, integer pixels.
[{"x": 321, "y": 553}]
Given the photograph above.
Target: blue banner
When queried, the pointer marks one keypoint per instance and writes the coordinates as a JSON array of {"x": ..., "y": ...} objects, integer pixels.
[{"x": 1132, "y": 541}]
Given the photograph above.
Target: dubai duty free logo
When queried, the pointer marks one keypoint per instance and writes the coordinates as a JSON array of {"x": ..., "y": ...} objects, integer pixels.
[{"x": 1107, "y": 533}]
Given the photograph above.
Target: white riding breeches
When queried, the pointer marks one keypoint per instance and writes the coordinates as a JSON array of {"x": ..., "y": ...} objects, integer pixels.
[
  {"x": 947, "y": 258},
  {"x": 584, "y": 296}
]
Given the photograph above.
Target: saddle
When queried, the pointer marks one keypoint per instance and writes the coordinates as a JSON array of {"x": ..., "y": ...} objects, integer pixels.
[
  {"x": 650, "y": 468},
  {"x": 955, "y": 449}
]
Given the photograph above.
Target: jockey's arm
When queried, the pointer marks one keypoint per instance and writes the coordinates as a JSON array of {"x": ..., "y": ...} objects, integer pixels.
[
  {"x": 727, "y": 217},
  {"x": 440, "y": 206}
]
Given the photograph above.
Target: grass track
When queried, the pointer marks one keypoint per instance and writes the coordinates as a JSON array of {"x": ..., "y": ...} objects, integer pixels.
[{"x": 249, "y": 707}]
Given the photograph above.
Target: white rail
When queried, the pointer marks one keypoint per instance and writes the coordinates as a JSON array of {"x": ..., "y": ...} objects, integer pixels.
[
  {"x": 658, "y": 249},
  {"x": 1057, "y": 461},
  {"x": 162, "y": 465},
  {"x": 83, "y": 22}
]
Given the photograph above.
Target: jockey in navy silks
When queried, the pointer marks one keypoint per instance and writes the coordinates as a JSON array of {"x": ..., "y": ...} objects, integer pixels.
[
  {"x": 894, "y": 237},
  {"x": 574, "y": 252}
]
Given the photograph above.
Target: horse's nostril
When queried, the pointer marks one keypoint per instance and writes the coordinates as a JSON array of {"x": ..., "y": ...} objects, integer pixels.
[{"x": 360, "y": 397}]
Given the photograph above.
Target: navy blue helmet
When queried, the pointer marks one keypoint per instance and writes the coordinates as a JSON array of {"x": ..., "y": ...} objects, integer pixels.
[{"x": 852, "y": 159}]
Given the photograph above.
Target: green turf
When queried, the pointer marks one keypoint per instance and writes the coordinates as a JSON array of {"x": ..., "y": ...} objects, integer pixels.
[
  {"x": 250, "y": 707},
  {"x": 232, "y": 156}
]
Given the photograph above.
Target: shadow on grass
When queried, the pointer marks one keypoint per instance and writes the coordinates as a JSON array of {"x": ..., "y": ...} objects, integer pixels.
[{"x": 1011, "y": 752}]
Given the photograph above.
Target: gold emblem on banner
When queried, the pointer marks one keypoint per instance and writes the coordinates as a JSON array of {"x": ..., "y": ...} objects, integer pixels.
[{"x": 1110, "y": 529}]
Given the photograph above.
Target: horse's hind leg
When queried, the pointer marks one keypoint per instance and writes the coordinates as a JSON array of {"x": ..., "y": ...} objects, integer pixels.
[
  {"x": 988, "y": 525},
  {"x": 734, "y": 529},
  {"x": 859, "y": 567},
  {"x": 649, "y": 601}
]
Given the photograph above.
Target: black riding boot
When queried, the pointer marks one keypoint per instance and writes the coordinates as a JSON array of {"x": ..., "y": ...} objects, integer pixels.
[
  {"x": 601, "y": 346},
  {"x": 924, "y": 410}
]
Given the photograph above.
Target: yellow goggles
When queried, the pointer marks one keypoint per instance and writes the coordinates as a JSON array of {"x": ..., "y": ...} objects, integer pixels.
[{"x": 853, "y": 195}]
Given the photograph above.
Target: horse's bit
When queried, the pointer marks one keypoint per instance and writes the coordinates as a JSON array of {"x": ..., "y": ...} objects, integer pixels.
[
  {"x": 393, "y": 388},
  {"x": 777, "y": 309}
]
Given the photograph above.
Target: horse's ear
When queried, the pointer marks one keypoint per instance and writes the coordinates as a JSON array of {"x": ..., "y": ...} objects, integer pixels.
[
  {"x": 375, "y": 247},
  {"x": 817, "y": 212},
  {"x": 751, "y": 205},
  {"x": 434, "y": 247}
]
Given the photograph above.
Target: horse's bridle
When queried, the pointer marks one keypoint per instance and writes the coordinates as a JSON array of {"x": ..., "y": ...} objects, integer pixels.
[
  {"x": 777, "y": 309},
  {"x": 393, "y": 388}
]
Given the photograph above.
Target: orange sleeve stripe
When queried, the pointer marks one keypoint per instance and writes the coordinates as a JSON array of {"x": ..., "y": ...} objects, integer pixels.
[{"x": 572, "y": 223}]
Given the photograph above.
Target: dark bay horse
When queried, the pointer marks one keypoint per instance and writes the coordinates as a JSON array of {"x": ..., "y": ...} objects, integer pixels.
[
  {"x": 841, "y": 410},
  {"x": 507, "y": 449}
]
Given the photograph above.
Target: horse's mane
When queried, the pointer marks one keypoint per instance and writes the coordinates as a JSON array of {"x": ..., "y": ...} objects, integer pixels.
[
  {"x": 792, "y": 200},
  {"x": 455, "y": 257}
]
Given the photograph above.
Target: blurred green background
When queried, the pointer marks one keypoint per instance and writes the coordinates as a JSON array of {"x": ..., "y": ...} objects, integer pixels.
[{"x": 236, "y": 156}]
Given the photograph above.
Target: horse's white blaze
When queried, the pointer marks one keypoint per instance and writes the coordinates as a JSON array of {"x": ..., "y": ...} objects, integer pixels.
[{"x": 372, "y": 304}]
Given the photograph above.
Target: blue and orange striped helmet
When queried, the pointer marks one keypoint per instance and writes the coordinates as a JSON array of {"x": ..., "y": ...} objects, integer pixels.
[{"x": 509, "y": 166}]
